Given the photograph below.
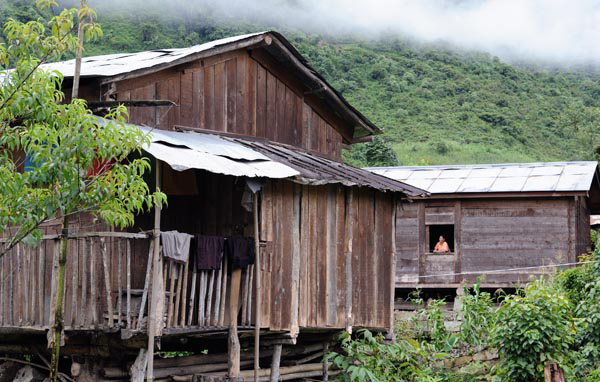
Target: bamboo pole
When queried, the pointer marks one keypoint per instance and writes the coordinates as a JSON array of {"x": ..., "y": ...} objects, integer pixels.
[
  {"x": 155, "y": 275},
  {"x": 257, "y": 287}
]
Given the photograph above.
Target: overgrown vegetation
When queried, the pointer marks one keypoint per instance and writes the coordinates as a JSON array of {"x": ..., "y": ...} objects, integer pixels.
[
  {"x": 436, "y": 105},
  {"x": 549, "y": 321}
]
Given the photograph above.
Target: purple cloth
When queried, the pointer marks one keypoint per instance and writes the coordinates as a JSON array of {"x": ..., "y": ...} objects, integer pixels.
[{"x": 208, "y": 252}]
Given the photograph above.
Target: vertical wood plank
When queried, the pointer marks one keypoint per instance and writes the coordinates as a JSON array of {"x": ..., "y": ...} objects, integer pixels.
[
  {"x": 179, "y": 272},
  {"x": 348, "y": 252},
  {"x": 209, "y": 297},
  {"x": 331, "y": 258},
  {"x": 192, "y": 296},
  {"x": 457, "y": 241},
  {"x": 198, "y": 99},
  {"x": 221, "y": 311},
  {"x": 209, "y": 97},
  {"x": 107, "y": 285},
  {"x": 231, "y": 94},
  {"x": 186, "y": 103},
  {"x": 241, "y": 92},
  {"x": 220, "y": 104},
  {"x": 128, "y": 266},
  {"x": 261, "y": 102},
  {"x": 295, "y": 290},
  {"x": 184, "y": 301},
  {"x": 93, "y": 286},
  {"x": 281, "y": 128},
  {"x": 271, "y": 126},
  {"x": 250, "y": 98},
  {"x": 172, "y": 276}
]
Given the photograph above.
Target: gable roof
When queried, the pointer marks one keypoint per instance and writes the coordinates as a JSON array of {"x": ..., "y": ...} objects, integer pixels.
[
  {"x": 115, "y": 67},
  {"x": 496, "y": 178}
]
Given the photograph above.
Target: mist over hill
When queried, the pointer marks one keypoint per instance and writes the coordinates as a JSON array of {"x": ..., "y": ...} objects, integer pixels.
[{"x": 437, "y": 101}]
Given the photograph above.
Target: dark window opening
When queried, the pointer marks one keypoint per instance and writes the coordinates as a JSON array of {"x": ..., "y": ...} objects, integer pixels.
[{"x": 445, "y": 230}]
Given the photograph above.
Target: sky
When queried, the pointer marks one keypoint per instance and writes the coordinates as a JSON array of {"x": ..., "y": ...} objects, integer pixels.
[{"x": 562, "y": 31}]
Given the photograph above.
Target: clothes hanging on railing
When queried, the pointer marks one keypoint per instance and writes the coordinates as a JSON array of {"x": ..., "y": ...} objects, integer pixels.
[
  {"x": 240, "y": 251},
  {"x": 208, "y": 251},
  {"x": 176, "y": 245}
]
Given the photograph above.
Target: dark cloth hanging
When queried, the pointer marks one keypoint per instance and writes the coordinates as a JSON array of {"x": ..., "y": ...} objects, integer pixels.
[
  {"x": 208, "y": 251},
  {"x": 240, "y": 251}
]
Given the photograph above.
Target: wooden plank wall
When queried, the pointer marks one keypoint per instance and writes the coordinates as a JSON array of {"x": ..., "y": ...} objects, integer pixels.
[
  {"x": 492, "y": 234},
  {"x": 331, "y": 286},
  {"x": 583, "y": 244},
  {"x": 407, "y": 242},
  {"x": 497, "y": 234},
  {"x": 232, "y": 93}
]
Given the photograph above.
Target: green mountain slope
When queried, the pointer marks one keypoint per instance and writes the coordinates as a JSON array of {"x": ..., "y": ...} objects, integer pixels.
[{"x": 435, "y": 104}]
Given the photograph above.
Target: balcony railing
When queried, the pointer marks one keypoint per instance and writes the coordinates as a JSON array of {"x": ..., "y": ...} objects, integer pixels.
[{"x": 108, "y": 286}]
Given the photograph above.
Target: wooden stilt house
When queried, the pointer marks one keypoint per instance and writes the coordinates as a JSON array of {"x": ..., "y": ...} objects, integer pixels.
[
  {"x": 505, "y": 223},
  {"x": 246, "y": 140}
]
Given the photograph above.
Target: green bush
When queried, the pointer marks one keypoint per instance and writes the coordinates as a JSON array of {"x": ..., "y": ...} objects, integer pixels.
[
  {"x": 477, "y": 312},
  {"x": 368, "y": 358},
  {"x": 531, "y": 328}
]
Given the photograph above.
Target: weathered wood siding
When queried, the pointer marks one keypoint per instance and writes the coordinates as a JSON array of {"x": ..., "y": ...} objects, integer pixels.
[
  {"x": 331, "y": 264},
  {"x": 490, "y": 234},
  {"x": 407, "y": 242},
  {"x": 233, "y": 93}
]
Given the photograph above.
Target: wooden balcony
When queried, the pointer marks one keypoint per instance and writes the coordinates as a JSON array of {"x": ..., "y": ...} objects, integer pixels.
[{"x": 107, "y": 287}]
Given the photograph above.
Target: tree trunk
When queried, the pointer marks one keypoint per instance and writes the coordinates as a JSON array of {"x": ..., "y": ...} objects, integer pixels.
[{"x": 59, "y": 303}]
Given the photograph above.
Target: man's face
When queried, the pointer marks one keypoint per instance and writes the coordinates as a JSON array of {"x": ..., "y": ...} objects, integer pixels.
[{"x": 442, "y": 239}]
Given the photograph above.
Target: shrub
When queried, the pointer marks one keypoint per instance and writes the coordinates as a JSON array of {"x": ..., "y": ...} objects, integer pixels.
[
  {"x": 531, "y": 328},
  {"x": 368, "y": 358}
]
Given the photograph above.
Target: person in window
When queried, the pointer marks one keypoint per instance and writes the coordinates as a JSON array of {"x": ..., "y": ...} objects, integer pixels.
[{"x": 441, "y": 246}]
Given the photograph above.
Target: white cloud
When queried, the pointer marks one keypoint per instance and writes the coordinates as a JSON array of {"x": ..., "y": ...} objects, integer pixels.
[{"x": 554, "y": 30}]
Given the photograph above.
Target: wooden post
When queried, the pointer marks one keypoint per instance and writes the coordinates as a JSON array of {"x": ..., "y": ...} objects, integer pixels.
[
  {"x": 234, "y": 342},
  {"x": 276, "y": 362},
  {"x": 155, "y": 275},
  {"x": 325, "y": 363},
  {"x": 257, "y": 287},
  {"x": 78, "y": 54},
  {"x": 553, "y": 373}
]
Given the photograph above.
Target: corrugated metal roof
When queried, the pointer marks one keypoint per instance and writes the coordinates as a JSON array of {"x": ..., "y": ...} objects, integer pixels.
[
  {"x": 260, "y": 158},
  {"x": 114, "y": 64},
  {"x": 317, "y": 170},
  {"x": 511, "y": 177}
]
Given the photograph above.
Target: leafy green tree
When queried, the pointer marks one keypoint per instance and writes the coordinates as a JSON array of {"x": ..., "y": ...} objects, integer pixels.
[
  {"x": 78, "y": 162},
  {"x": 532, "y": 327}
]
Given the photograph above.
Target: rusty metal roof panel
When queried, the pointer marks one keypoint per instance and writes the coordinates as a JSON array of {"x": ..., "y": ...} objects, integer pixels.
[
  {"x": 511, "y": 177},
  {"x": 317, "y": 170}
]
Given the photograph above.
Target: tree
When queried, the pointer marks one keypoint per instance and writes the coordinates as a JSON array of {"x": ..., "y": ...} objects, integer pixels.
[{"x": 79, "y": 163}]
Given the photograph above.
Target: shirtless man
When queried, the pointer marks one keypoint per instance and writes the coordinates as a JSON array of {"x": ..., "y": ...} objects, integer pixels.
[{"x": 441, "y": 246}]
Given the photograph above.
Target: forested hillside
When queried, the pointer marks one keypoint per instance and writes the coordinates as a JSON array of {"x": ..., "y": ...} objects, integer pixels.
[{"x": 435, "y": 104}]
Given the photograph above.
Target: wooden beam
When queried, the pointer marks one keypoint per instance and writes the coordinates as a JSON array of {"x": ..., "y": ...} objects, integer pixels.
[{"x": 131, "y": 103}]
